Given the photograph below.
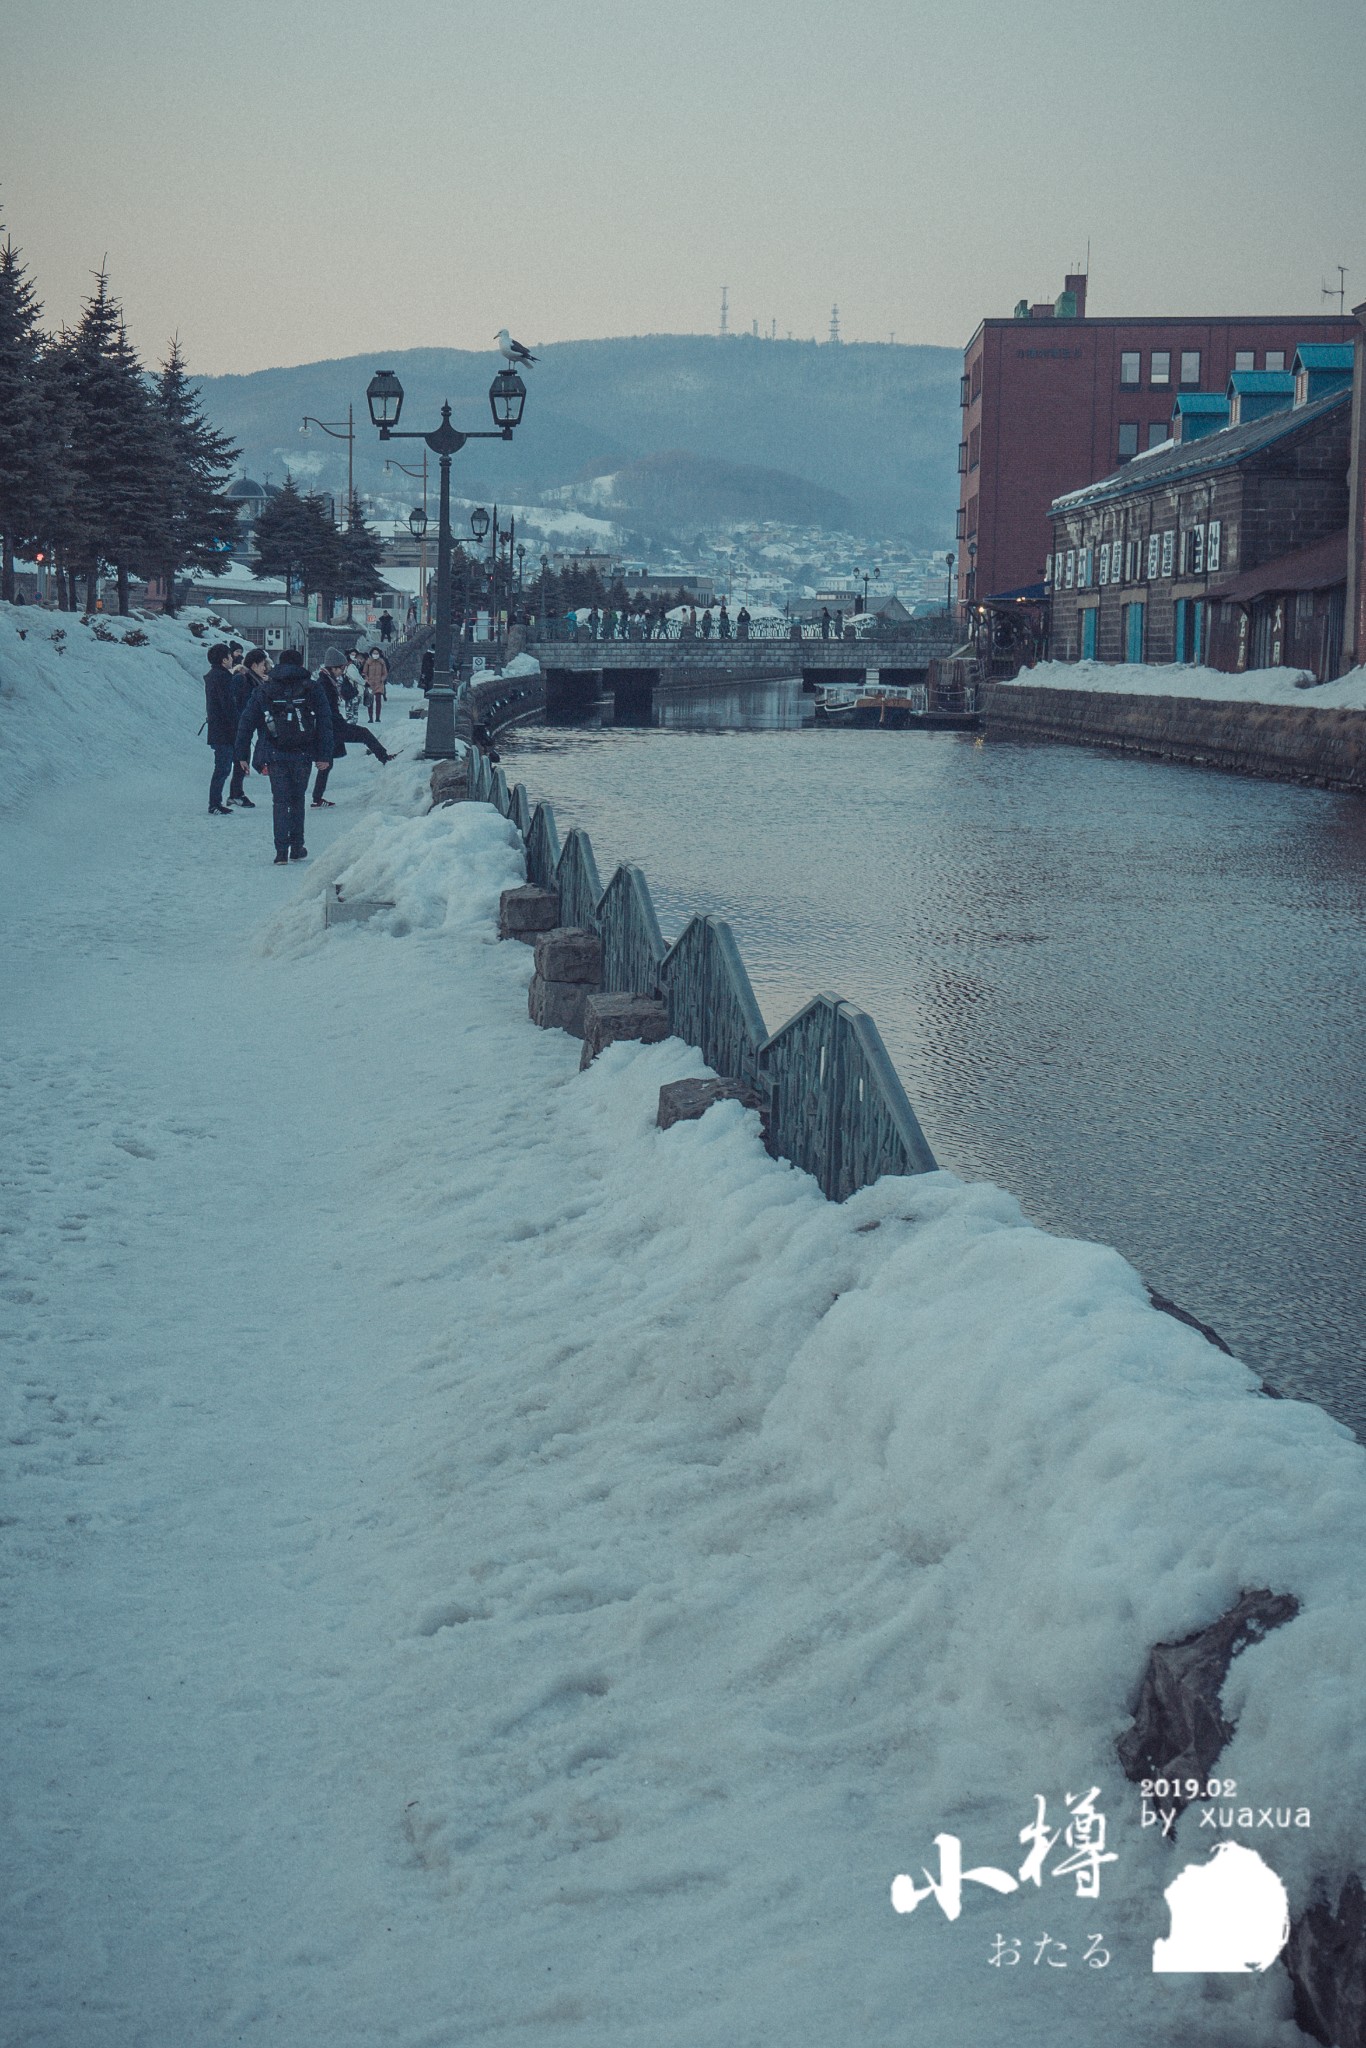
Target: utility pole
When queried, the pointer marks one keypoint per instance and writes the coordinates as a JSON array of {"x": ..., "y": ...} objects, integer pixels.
[
  {"x": 834, "y": 325},
  {"x": 725, "y": 311},
  {"x": 1338, "y": 291}
]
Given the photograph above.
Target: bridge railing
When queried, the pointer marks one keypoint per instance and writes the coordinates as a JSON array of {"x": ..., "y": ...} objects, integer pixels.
[
  {"x": 559, "y": 632},
  {"x": 834, "y": 1103}
]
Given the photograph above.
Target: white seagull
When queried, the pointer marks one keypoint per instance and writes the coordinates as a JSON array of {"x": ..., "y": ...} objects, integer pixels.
[{"x": 513, "y": 350}]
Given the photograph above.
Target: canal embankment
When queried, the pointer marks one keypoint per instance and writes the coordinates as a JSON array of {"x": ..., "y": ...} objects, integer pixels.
[{"x": 1261, "y": 725}]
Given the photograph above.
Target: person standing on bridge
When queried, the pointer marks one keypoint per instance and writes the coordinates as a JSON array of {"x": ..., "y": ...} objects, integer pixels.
[
  {"x": 706, "y": 623},
  {"x": 723, "y": 623},
  {"x": 742, "y": 624},
  {"x": 825, "y": 622}
]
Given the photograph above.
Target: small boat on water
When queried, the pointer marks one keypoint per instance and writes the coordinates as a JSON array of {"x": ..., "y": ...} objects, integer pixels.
[{"x": 900, "y": 706}]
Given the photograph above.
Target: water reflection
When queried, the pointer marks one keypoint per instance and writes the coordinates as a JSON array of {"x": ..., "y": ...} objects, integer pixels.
[{"x": 1133, "y": 993}]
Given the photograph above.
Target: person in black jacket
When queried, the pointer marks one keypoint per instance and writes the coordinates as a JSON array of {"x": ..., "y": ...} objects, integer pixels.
[
  {"x": 221, "y": 713},
  {"x": 330, "y": 677},
  {"x": 247, "y": 672},
  {"x": 294, "y": 718}
]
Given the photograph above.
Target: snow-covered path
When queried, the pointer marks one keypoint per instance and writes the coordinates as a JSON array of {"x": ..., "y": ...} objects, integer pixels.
[{"x": 478, "y": 1567}]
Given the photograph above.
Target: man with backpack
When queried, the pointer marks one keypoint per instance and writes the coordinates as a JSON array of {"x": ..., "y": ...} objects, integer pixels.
[{"x": 294, "y": 719}]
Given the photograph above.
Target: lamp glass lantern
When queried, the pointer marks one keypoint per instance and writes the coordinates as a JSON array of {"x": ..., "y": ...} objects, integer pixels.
[
  {"x": 417, "y": 522},
  {"x": 384, "y": 396},
  {"x": 479, "y": 522},
  {"x": 507, "y": 397}
]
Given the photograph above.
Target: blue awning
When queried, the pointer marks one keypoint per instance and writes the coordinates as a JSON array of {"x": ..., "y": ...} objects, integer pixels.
[{"x": 1028, "y": 593}]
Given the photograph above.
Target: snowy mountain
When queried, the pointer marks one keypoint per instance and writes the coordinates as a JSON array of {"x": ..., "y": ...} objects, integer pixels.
[{"x": 779, "y": 422}]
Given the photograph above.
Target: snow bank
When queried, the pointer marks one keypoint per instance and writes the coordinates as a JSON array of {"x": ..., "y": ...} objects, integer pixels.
[
  {"x": 486, "y": 1567},
  {"x": 1164, "y": 679},
  {"x": 70, "y": 700}
]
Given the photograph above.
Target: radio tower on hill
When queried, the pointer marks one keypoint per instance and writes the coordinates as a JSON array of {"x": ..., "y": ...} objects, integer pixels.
[
  {"x": 725, "y": 310},
  {"x": 835, "y": 324}
]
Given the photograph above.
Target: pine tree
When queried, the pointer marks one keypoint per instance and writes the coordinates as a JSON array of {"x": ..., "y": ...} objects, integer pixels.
[
  {"x": 196, "y": 517},
  {"x": 358, "y": 554},
  {"x": 119, "y": 450},
  {"x": 296, "y": 537},
  {"x": 28, "y": 454}
]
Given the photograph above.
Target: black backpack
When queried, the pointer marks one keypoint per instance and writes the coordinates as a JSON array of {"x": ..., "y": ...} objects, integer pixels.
[{"x": 288, "y": 715}]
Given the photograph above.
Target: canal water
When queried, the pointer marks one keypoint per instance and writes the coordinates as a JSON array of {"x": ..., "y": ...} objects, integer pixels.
[{"x": 1132, "y": 993}]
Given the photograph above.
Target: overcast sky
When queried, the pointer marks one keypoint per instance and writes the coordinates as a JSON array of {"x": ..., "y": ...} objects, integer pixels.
[{"x": 280, "y": 181}]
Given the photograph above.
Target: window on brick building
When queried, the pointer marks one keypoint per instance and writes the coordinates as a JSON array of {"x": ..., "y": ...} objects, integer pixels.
[
  {"x": 1158, "y": 432},
  {"x": 1168, "y": 550},
  {"x": 977, "y": 378},
  {"x": 972, "y": 515},
  {"x": 974, "y": 447},
  {"x": 1154, "y": 546},
  {"x": 962, "y": 458},
  {"x": 1070, "y": 569},
  {"x": 1160, "y": 366},
  {"x": 1128, "y": 439},
  {"x": 1190, "y": 366},
  {"x": 1130, "y": 367},
  {"x": 963, "y": 389},
  {"x": 961, "y": 530},
  {"x": 1275, "y": 359},
  {"x": 1245, "y": 359},
  {"x": 1103, "y": 566}
]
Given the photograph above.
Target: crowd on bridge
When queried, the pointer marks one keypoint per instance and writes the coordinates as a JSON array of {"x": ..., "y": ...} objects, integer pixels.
[{"x": 300, "y": 726}]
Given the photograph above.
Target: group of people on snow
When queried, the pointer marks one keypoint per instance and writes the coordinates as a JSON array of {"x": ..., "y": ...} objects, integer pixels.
[{"x": 301, "y": 725}]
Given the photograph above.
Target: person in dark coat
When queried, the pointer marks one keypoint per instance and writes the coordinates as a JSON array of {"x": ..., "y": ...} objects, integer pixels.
[
  {"x": 247, "y": 671},
  {"x": 428, "y": 670},
  {"x": 294, "y": 717},
  {"x": 329, "y": 676},
  {"x": 220, "y": 707}
]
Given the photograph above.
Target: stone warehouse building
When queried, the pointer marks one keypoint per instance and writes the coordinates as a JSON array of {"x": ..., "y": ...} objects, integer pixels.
[
  {"x": 1227, "y": 546},
  {"x": 1056, "y": 398}
]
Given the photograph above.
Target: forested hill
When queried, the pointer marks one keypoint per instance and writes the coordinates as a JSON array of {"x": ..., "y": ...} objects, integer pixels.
[{"x": 875, "y": 424}]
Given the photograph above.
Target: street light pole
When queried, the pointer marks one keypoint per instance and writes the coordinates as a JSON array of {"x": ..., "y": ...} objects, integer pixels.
[
  {"x": 334, "y": 428},
  {"x": 422, "y": 541},
  {"x": 507, "y": 398}
]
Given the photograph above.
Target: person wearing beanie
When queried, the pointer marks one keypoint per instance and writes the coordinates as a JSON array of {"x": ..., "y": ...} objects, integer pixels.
[{"x": 330, "y": 676}]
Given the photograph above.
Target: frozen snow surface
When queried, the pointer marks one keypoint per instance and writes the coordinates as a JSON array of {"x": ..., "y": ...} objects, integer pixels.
[
  {"x": 1172, "y": 679},
  {"x": 479, "y": 1568}
]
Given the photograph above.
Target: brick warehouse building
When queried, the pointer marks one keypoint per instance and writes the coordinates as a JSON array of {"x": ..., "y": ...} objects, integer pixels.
[
  {"x": 1230, "y": 549},
  {"x": 1054, "y": 400}
]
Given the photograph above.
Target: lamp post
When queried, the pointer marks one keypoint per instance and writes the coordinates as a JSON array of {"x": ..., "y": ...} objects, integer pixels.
[
  {"x": 948, "y": 586},
  {"x": 521, "y": 559},
  {"x": 419, "y": 533},
  {"x": 972, "y": 572},
  {"x": 507, "y": 398},
  {"x": 338, "y": 433}
]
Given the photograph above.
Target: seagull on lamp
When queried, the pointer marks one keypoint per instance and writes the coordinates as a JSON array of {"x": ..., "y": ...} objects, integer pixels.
[{"x": 513, "y": 350}]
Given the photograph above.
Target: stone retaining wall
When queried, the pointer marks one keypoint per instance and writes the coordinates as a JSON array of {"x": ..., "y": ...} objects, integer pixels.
[{"x": 1284, "y": 742}]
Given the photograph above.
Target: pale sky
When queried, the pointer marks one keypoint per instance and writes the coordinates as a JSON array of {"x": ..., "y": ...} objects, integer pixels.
[{"x": 281, "y": 182}]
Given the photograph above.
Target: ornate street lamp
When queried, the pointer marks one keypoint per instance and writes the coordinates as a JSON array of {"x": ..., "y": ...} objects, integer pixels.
[
  {"x": 479, "y": 522},
  {"x": 384, "y": 396},
  {"x": 417, "y": 522}
]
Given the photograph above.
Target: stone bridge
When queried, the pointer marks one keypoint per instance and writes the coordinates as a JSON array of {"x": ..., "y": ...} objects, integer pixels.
[{"x": 580, "y": 670}]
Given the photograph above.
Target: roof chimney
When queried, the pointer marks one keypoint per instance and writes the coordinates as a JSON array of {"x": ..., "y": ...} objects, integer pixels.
[{"x": 1076, "y": 284}]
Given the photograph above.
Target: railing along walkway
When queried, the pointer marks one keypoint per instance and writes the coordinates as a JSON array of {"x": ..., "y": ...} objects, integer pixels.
[{"x": 834, "y": 1102}]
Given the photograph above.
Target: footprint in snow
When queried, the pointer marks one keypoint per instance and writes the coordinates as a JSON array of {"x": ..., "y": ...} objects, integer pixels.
[{"x": 134, "y": 1146}]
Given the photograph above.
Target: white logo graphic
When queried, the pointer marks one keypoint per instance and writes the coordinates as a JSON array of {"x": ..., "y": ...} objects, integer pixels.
[{"x": 1229, "y": 1914}]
